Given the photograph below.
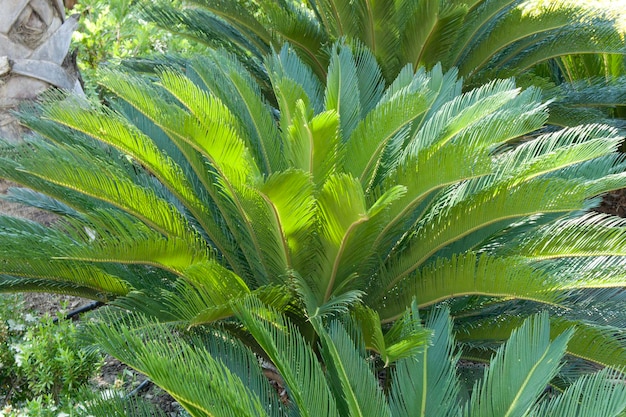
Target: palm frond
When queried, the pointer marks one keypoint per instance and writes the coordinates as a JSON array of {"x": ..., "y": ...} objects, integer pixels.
[
  {"x": 520, "y": 370},
  {"x": 290, "y": 196},
  {"x": 314, "y": 145},
  {"x": 589, "y": 235},
  {"x": 598, "y": 395},
  {"x": 296, "y": 25},
  {"x": 601, "y": 345},
  {"x": 427, "y": 384},
  {"x": 406, "y": 337},
  {"x": 219, "y": 386},
  {"x": 467, "y": 274},
  {"x": 287, "y": 69},
  {"x": 228, "y": 80},
  {"x": 580, "y": 38},
  {"x": 361, "y": 394},
  {"x": 118, "y": 406},
  {"x": 292, "y": 356},
  {"x": 342, "y": 90},
  {"x": 515, "y": 25}
]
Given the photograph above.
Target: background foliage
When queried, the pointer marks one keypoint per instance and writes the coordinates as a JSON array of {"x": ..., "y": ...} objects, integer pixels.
[{"x": 111, "y": 31}]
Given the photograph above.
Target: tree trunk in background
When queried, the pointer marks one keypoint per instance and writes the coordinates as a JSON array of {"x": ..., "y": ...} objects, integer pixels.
[{"x": 34, "y": 44}]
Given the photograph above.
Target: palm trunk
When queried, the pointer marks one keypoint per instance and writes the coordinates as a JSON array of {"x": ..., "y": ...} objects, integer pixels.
[{"x": 34, "y": 43}]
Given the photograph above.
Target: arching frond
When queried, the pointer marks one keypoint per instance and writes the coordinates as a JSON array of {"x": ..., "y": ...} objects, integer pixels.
[
  {"x": 519, "y": 371},
  {"x": 427, "y": 384},
  {"x": 591, "y": 395},
  {"x": 293, "y": 358},
  {"x": 226, "y": 379},
  {"x": 362, "y": 396}
]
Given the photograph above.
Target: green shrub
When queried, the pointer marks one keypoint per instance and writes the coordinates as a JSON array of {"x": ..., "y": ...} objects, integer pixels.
[
  {"x": 52, "y": 361},
  {"x": 12, "y": 328},
  {"x": 114, "y": 30},
  {"x": 42, "y": 363}
]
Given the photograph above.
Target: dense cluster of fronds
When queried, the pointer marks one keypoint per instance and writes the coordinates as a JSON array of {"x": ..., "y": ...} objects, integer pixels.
[{"x": 190, "y": 191}]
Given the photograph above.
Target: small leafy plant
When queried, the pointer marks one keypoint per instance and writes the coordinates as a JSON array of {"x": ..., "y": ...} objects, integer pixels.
[
  {"x": 52, "y": 360},
  {"x": 42, "y": 364},
  {"x": 12, "y": 328}
]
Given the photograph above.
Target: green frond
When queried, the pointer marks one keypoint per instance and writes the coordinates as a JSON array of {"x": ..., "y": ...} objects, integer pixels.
[
  {"x": 290, "y": 195},
  {"x": 442, "y": 36},
  {"x": 378, "y": 37},
  {"x": 370, "y": 78},
  {"x": 406, "y": 338},
  {"x": 385, "y": 123},
  {"x": 592, "y": 91},
  {"x": 46, "y": 285},
  {"x": 111, "y": 128},
  {"x": 118, "y": 406},
  {"x": 580, "y": 38},
  {"x": 520, "y": 371},
  {"x": 265, "y": 244},
  {"x": 146, "y": 99},
  {"x": 356, "y": 259},
  {"x": 225, "y": 380},
  {"x": 600, "y": 345},
  {"x": 589, "y": 235},
  {"x": 189, "y": 299},
  {"x": 314, "y": 144},
  {"x": 360, "y": 393},
  {"x": 207, "y": 28},
  {"x": 240, "y": 17},
  {"x": 342, "y": 89},
  {"x": 292, "y": 356},
  {"x": 467, "y": 274},
  {"x": 342, "y": 208},
  {"x": 75, "y": 169},
  {"x": 227, "y": 79},
  {"x": 32, "y": 198},
  {"x": 605, "y": 345},
  {"x": 10, "y": 170},
  {"x": 295, "y": 24},
  {"x": 518, "y": 23},
  {"x": 209, "y": 131},
  {"x": 30, "y": 250},
  {"x": 112, "y": 237},
  {"x": 416, "y": 22},
  {"x": 518, "y": 118},
  {"x": 596, "y": 395},
  {"x": 455, "y": 220},
  {"x": 558, "y": 150},
  {"x": 423, "y": 178},
  {"x": 427, "y": 384},
  {"x": 341, "y": 17},
  {"x": 287, "y": 65},
  {"x": 563, "y": 115},
  {"x": 461, "y": 112}
]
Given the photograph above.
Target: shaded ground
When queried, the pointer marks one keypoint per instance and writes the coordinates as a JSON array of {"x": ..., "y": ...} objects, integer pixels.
[{"x": 614, "y": 203}]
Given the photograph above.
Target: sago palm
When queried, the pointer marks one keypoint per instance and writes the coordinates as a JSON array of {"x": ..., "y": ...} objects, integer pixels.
[
  {"x": 189, "y": 191},
  {"x": 215, "y": 375},
  {"x": 483, "y": 38}
]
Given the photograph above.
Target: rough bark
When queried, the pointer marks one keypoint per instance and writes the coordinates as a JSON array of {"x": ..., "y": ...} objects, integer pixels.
[{"x": 34, "y": 55}]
